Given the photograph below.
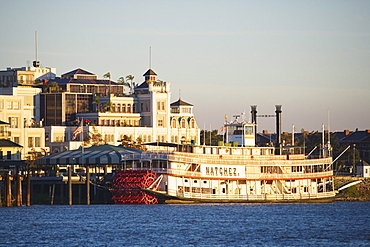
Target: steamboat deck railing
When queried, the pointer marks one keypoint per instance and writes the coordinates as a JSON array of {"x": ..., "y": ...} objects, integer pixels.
[
  {"x": 256, "y": 160},
  {"x": 251, "y": 197},
  {"x": 248, "y": 176}
]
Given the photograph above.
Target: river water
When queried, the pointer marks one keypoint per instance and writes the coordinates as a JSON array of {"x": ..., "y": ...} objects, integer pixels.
[{"x": 328, "y": 224}]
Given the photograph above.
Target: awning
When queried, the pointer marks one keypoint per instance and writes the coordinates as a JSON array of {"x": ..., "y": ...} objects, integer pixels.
[{"x": 101, "y": 155}]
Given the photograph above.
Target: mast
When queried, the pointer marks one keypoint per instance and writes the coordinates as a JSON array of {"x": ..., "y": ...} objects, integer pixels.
[
  {"x": 293, "y": 135},
  {"x": 329, "y": 148},
  {"x": 36, "y": 63},
  {"x": 150, "y": 57},
  {"x": 323, "y": 140}
]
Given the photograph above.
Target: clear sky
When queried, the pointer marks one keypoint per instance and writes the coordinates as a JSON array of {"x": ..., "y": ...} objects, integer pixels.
[{"x": 312, "y": 57}]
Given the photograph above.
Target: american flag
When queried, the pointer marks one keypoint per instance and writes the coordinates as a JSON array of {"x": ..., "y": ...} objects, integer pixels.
[{"x": 77, "y": 131}]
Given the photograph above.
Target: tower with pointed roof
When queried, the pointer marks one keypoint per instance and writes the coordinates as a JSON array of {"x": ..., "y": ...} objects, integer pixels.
[
  {"x": 150, "y": 75},
  {"x": 153, "y": 97}
]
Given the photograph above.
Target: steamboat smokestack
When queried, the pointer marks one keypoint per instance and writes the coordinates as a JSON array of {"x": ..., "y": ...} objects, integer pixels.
[
  {"x": 278, "y": 129},
  {"x": 254, "y": 118}
]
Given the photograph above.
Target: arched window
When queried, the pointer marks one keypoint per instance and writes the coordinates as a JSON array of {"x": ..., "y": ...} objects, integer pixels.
[
  {"x": 113, "y": 107},
  {"x": 124, "y": 108},
  {"x": 129, "y": 108},
  {"x": 118, "y": 108},
  {"x": 173, "y": 125},
  {"x": 192, "y": 122},
  {"x": 183, "y": 124}
]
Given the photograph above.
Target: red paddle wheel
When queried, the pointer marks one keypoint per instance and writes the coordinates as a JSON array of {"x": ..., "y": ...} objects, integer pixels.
[{"x": 127, "y": 186}]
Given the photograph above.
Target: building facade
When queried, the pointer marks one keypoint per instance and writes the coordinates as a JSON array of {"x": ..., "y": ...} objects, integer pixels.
[
  {"x": 146, "y": 115},
  {"x": 18, "y": 107},
  {"x": 44, "y": 110}
]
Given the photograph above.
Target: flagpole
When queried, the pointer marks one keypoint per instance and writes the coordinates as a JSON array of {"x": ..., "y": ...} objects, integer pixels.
[{"x": 210, "y": 135}]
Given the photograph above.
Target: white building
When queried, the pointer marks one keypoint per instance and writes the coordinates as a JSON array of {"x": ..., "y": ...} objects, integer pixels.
[
  {"x": 18, "y": 107},
  {"x": 25, "y": 76},
  {"x": 147, "y": 114},
  {"x": 363, "y": 169}
]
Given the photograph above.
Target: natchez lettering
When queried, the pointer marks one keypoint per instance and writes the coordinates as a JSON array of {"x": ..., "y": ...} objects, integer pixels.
[{"x": 221, "y": 171}]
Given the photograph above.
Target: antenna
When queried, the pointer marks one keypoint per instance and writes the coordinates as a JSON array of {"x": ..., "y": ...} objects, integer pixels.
[
  {"x": 329, "y": 131},
  {"x": 150, "y": 57},
  {"x": 36, "y": 63}
]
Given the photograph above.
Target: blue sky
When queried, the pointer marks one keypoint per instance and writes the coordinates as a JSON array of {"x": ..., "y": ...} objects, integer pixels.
[{"x": 312, "y": 57}]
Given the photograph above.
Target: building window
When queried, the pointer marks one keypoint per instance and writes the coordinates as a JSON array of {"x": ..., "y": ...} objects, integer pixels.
[
  {"x": 160, "y": 123},
  {"x": 37, "y": 142},
  {"x": 124, "y": 108},
  {"x": 16, "y": 105},
  {"x": 146, "y": 106},
  {"x": 1, "y": 155},
  {"x": 30, "y": 142},
  {"x": 10, "y": 105},
  {"x": 13, "y": 122},
  {"x": 183, "y": 123},
  {"x": 158, "y": 106},
  {"x": 129, "y": 108},
  {"x": 142, "y": 106},
  {"x": 173, "y": 123},
  {"x": 16, "y": 139},
  {"x": 9, "y": 155},
  {"x": 162, "y": 104},
  {"x": 192, "y": 123}
]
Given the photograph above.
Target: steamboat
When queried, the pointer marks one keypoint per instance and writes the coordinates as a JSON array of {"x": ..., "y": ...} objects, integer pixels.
[{"x": 237, "y": 171}]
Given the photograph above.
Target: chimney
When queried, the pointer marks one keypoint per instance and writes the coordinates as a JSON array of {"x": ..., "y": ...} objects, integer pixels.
[
  {"x": 367, "y": 131},
  {"x": 278, "y": 129},
  {"x": 265, "y": 132},
  {"x": 346, "y": 132}
]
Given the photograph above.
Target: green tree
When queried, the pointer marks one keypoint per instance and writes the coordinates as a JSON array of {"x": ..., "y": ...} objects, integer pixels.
[
  {"x": 122, "y": 81},
  {"x": 107, "y": 75},
  {"x": 129, "y": 143},
  {"x": 94, "y": 138},
  {"x": 108, "y": 106},
  {"x": 210, "y": 137},
  {"x": 131, "y": 79}
]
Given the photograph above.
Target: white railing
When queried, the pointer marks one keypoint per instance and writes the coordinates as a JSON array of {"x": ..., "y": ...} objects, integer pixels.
[
  {"x": 257, "y": 176},
  {"x": 262, "y": 197},
  {"x": 294, "y": 175},
  {"x": 251, "y": 160}
]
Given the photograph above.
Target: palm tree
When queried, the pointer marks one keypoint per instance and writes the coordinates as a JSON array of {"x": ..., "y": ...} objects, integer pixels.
[
  {"x": 131, "y": 79},
  {"x": 122, "y": 81},
  {"x": 108, "y": 106},
  {"x": 107, "y": 75}
]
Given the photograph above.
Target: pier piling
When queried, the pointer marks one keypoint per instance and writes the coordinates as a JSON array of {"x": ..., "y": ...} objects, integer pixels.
[{"x": 87, "y": 185}]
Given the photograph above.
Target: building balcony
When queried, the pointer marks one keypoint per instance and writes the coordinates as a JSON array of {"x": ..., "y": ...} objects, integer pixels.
[{"x": 5, "y": 134}]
